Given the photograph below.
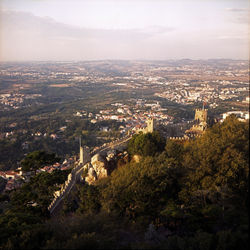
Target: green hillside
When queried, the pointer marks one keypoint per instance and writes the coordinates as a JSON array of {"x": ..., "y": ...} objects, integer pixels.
[{"x": 179, "y": 195}]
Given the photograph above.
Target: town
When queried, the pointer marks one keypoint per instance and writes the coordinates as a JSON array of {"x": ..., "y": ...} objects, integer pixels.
[
  {"x": 184, "y": 82},
  {"x": 127, "y": 94}
]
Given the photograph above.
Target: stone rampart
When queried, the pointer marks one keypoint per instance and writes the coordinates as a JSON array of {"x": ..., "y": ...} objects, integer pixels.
[{"x": 79, "y": 166}]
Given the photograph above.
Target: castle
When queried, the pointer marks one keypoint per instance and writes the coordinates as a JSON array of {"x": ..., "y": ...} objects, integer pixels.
[
  {"x": 200, "y": 125},
  {"x": 150, "y": 127}
]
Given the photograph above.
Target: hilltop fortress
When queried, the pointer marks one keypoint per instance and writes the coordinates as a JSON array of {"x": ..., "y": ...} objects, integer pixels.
[
  {"x": 98, "y": 163},
  {"x": 200, "y": 124}
]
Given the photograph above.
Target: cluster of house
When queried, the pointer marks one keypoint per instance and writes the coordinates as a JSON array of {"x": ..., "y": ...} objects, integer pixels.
[
  {"x": 15, "y": 100},
  {"x": 241, "y": 115},
  {"x": 132, "y": 115},
  {"x": 15, "y": 178}
]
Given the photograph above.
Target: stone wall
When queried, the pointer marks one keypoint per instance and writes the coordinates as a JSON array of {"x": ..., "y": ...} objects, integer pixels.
[{"x": 95, "y": 171}]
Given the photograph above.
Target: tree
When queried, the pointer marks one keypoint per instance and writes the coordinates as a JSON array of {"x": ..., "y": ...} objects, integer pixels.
[
  {"x": 174, "y": 150},
  {"x": 89, "y": 199},
  {"x": 142, "y": 189},
  {"x": 217, "y": 166},
  {"x": 37, "y": 159},
  {"x": 221, "y": 156},
  {"x": 146, "y": 144}
]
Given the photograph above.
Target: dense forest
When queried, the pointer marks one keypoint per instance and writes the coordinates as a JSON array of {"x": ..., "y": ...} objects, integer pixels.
[{"x": 174, "y": 195}]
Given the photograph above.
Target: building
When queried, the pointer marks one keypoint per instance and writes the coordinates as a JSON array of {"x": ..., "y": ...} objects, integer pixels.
[
  {"x": 150, "y": 127},
  {"x": 241, "y": 115},
  {"x": 84, "y": 154},
  {"x": 200, "y": 123},
  {"x": 201, "y": 115}
]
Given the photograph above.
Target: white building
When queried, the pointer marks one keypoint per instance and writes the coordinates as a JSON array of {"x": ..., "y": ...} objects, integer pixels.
[{"x": 244, "y": 115}]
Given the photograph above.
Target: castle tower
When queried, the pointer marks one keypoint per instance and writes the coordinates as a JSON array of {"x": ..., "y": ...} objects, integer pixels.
[
  {"x": 81, "y": 154},
  {"x": 84, "y": 154},
  {"x": 201, "y": 115},
  {"x": 150, "y": 125},
  {"x": 200, "y": 123}
]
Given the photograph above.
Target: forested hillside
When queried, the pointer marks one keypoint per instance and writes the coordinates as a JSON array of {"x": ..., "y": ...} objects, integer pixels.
[{"x": 173, "y": 195}]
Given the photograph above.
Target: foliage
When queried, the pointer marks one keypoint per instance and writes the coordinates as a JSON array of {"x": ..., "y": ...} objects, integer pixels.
[
  {"x": 89, "y": 199},
  {"x": 14, "y": 224},
  {"x": 39, "y": 190},
  {"x": 219, "y": 161},
  {"x": 174, "y": 150},
  {"x": 142, "y": 189},
  {"x": 2, "y": 184},
  {"x": 100, "y": 231},
  {"x": 37, "y": 159},
  {"x": 191, "y": 195},
  {"x": 28, "y": 209},
  {"x": 146, "y": 144}
]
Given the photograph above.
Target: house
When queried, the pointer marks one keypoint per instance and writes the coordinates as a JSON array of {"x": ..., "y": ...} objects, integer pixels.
[
  {"x": 56, "y": 165},
  {"x": 53, "y": 136},
  {"x": 11, "y": 175},
  {"x": 3, "y": 174},
  {"x": 241, "y": 115}
]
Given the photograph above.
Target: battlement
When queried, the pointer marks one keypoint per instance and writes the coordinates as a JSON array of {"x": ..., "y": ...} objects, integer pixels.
[
  {"x": 200, "y": 109},
  {"x": 176, "y": 138},
  {"x": 150, "y": 127},
  {"x": 201, "y": 115}
]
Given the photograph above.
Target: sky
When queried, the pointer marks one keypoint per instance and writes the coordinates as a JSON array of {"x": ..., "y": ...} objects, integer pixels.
[{"x": 65, "y": 30}]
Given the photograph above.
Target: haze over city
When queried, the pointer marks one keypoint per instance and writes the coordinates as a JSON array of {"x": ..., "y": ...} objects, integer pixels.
[{"x": 123, "y": 29}]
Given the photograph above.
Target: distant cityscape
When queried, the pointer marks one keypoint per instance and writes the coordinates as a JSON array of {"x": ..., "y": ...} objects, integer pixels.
[{"x": 184, "y": 82}]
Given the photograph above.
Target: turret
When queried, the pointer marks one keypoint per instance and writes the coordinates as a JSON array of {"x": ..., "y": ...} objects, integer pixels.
[
  {"x": 150, "y": 125},
  {"x": 201, "y": 115},
  {"x": 81, "y": 155}
]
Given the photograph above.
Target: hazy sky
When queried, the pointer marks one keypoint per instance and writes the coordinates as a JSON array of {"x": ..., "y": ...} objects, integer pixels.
[{"x": 123, "y": 29}]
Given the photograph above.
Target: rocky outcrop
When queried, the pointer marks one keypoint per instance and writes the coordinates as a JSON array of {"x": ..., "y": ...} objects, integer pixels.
[
  {"x": 136, "y": 158},
  {"x": 97, "y": 169},
  {"x": 111, "y": 155},
  {"x": 92, "y": 176},
  {"x": 101, "y": 166}
]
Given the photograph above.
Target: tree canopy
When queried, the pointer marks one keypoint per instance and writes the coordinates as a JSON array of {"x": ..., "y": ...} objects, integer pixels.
[
  {"x": 146, "y": 144},
  {"x": 37, "y": 159},
  {"x": 180, "y": 195},
  {"x": 220, "y": 158}
]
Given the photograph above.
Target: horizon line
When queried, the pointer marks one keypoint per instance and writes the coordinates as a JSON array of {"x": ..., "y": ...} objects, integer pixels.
[{"x": 91, "y": 60}]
